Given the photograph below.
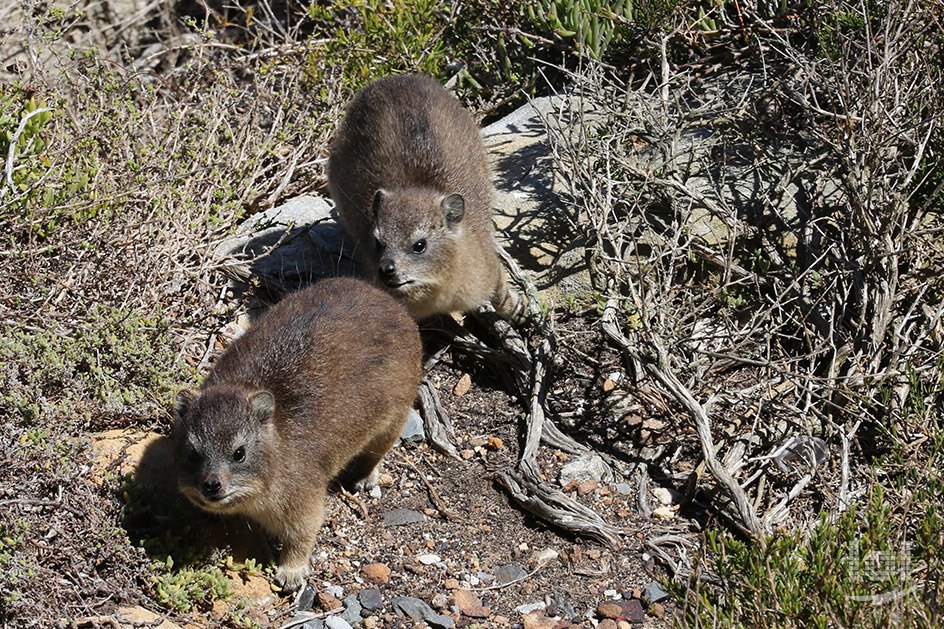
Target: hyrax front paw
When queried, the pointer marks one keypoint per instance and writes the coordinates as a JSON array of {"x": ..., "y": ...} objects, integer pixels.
[
  {"x": 367, "y": 483},
  {"x": 290, "y": 578}
]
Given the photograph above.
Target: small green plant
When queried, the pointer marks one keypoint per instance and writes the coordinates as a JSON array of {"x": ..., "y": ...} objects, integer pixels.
[
  {"x": 36, "y": 185},
  {"x": 591, "y": 24},
  {"x": 184, "y": 574},
  {"x": 386, "y": 37}
]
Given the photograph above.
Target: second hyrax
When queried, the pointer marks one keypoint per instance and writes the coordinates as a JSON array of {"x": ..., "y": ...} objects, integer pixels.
[
  {"x": 408, "y": 175},
  {"x": 320, "y": 385}
]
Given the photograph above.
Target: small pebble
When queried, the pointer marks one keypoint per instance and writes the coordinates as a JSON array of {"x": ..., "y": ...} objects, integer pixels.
[
  {"x": 530, "y": 607},
  {"x": 624, "y": 489},
  {"x": 509, "y": 572},
  {"x": 376, "y": 492},
  {"x": 306, "y": 598},
  {"x": 376, "y": 573},
  {"x": 654, "y": 593},
  {"x": 663, "y": 495},
  {"x": 400, "y": 517},
  {"x": 428, "y": 560},
  {"x": 336, "y": 622},
  {"x": 370, "y": 598}
]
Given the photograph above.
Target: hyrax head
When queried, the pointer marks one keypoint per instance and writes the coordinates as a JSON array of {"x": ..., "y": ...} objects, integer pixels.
[
  {"x": 223, "y": 437},
  {"x": 416, "y": 232}
]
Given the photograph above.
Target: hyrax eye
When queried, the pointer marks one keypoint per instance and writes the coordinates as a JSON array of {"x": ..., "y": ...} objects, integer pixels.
[
  {"x": 240, "y": 454},
  {"x": 193, "y": 457},
  {"x": 419, "y": 246}
]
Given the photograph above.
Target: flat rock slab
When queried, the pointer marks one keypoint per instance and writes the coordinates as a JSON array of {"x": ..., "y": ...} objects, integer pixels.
[{"x": 293, "y": 245}]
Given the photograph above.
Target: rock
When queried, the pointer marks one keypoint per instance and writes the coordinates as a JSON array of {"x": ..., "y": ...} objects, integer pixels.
[
  {"x": 413, "y": 428},
  {"x": 413, "y": 607},
  {"x": 664, "y": 512},
  {"x": 509, "y": 573},
  {"x": 400, "y": 517},
  {"x": 336, "y": 622},
  {"x": 495, "y": 443},
  {"x": 440, "y": 601},
  {"x": 633, "y": 611},
  {"x": 334, "y": 590},
  {"x": 305, "y": 598},
  {"x": 565, "y": 607},
  {"x": 527, "y": 201},
  {"x": 657, "y": 609},
  {"x": 327, "y": 601},
  {"x": 441, "y": 621},
  {"x": 451, "y": 584},
  {"x": 376, "y": 573},
  {"x": 630, "y": 610},
  {"x": 303, "y": 622},
  {"x": 376, "y": 492},
  {"x": 607, "y": 623},
  {"x": 586, "y": 467},
  {"x": 609, "y": 610},
  {"x": 463, "y": 385},
  {"x": 537, "y": 620},
  {"x": 543, "y": 557},
  {"x": 312, "y": 241},
  {"x": 352, "y": 610},
  {"x": 467, "y": 454},
  {"x": 654, "y": 593},
  {"x": 586, "y": 487},
  {"x": 138, "y": 616},
  {"x": 253, "y": 592},
  {"x": 624, "y": 489},
  {"x": 469, "y": 604},
  {"x": 370, "y": 598},
  {"x": 530, "y": 607},
  {"x": 663, "y": 495},
  {"x": 428, "y": 560}
]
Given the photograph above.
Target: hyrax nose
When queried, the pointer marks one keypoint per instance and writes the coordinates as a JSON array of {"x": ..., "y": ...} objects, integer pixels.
[
  {"x": 387, "y": 269},
  {"x": 212, "y": 486}
]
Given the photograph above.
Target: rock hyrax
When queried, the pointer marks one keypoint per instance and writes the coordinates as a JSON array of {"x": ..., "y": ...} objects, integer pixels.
[
  {"x": 321, "y": 384},
  {"x": 408, "y": 174}
]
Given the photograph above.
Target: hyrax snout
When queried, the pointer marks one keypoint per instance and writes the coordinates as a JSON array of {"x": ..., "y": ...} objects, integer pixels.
[
  {"x": 409, "y": 177},
  {"x": 318, "y": 388}
]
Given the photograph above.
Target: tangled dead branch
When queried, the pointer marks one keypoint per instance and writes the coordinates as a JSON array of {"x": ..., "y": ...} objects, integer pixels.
[{"x": 765, "y": 226}]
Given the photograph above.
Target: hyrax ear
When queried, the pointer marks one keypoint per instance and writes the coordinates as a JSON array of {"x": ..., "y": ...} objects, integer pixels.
[
  {"x": 378, "y": 201},
  {"x": 262, "y": 406},
  {"x": 453, "y": 209},
  {"x": 183, "y": 402}
]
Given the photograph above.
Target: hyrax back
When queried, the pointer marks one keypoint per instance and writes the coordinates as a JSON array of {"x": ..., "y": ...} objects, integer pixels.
[
  {"x": 408, "y": 174},
  {"x": 321, "y": 384}
]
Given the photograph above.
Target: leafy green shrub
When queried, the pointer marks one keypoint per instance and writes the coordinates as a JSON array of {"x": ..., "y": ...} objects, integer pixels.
[
  {"x": 591, "y": 24},
  {"x": 365, "y": 39},
  {"x": 37, "y": 187},
  {"x": 119, "y": 365}
]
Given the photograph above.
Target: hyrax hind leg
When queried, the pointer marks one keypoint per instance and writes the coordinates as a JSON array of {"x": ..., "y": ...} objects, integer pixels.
[
  {"x": 298, "y": 535},
  {"x": 363, "y": 470}
]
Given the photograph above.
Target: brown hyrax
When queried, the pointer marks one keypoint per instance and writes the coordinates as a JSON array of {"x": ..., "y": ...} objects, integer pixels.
[
  {"x": 320, "y": 385},
  {"x": 408, "y": 175}
]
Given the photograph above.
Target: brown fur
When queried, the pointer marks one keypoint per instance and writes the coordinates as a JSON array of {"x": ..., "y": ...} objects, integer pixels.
[
  {"x": 408, "y": 172},
  {"x": 321, "y": 384}
]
